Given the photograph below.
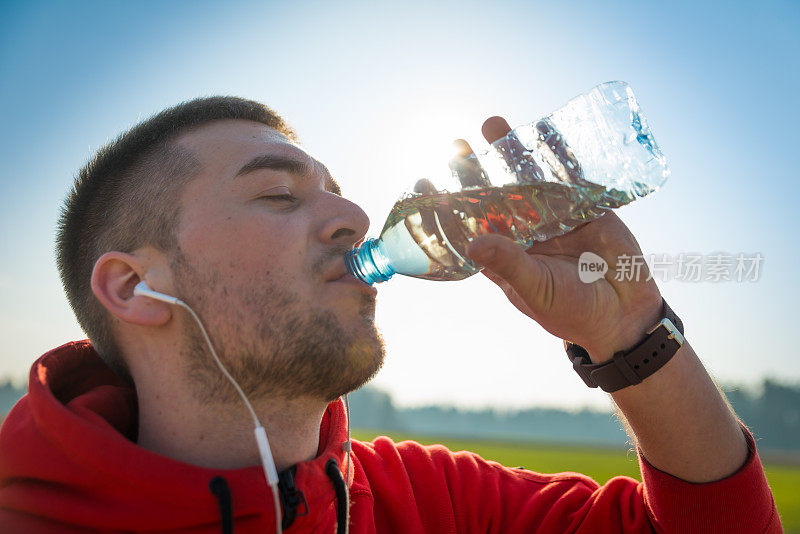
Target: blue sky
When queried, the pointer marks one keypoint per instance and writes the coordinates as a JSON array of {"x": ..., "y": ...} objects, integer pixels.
[{"x": 377, "y": 91}]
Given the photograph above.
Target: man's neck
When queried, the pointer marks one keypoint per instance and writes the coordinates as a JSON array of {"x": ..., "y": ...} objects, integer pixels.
[{"x": 174, "y": 423}]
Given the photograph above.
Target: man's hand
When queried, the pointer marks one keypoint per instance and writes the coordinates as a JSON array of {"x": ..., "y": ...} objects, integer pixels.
[
  {"x": 680, "y": 421},
  {"x": 604, "y": 316}
]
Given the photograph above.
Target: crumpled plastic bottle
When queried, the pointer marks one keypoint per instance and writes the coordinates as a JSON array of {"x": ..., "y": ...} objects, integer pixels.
[{"x": 540, "y": 181}]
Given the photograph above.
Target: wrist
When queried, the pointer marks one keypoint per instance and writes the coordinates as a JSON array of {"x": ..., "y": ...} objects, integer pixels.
[
  {"x": 633, "y": 329},
  {"x": 630, "y": 367}
]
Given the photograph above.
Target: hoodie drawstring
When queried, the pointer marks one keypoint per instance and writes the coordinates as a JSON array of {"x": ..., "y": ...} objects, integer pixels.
[
  {"x": 291, "y": 499},
  {"x": 332, "y": 470},
  {"x": 219, "y": 487},
  {"x": 290, "y": 495}
]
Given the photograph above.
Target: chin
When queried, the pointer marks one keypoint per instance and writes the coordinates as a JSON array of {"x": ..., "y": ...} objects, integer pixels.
[{"x": 363, "y": 360}]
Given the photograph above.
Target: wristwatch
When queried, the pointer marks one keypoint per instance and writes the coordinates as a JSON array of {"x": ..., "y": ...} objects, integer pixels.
[{"x": 630, "y": 367}]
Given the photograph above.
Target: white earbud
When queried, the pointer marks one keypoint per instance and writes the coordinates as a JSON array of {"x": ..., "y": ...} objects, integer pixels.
[{"x": 141, "y": 289}]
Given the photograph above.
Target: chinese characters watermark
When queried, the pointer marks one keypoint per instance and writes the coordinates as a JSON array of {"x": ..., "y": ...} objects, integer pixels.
[{"x": 683, "y": 267}]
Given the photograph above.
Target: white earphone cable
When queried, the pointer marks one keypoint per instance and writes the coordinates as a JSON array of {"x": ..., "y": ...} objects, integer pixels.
[
  {"x": 264, "y": 450},
  {"x": 348, "y": 448}
]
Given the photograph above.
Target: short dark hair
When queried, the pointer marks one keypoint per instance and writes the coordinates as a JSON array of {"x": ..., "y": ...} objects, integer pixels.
[{"x": 126, "y": 197}]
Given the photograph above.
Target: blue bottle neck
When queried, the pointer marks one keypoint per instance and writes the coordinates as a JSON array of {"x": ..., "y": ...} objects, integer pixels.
[{"x": 369, "y": 263}]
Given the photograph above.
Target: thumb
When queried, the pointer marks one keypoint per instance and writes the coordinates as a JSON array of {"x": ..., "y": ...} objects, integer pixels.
[{"x": 508, "y": 260}]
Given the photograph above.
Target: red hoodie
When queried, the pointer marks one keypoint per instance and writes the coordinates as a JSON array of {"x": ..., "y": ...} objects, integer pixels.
[{"x": 69, "y": 463}]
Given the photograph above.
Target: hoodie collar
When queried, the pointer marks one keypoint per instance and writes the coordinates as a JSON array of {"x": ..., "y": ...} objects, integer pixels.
[{"x": 75, "y": 431}]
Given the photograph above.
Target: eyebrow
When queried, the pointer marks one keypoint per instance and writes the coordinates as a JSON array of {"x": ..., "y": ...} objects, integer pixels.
[
  {"x": 291, "y": 165},
  {"x": 277, "y": 163}
]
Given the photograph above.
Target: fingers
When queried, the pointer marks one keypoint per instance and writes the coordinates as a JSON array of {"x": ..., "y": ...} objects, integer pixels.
[
  {"x": 516, "y": 155},
  {"x": 424, "y": 187},
  {"x": 508, "y": 262},
  {"x": 461, "y": 149},
  {"x": 554, "y": 147},
  {"x": 494, "y": 128},
  {"x": 466, "y": 166}
]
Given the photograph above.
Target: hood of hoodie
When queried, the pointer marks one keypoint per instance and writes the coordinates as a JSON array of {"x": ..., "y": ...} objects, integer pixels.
[{"x": 68, "y": 454}]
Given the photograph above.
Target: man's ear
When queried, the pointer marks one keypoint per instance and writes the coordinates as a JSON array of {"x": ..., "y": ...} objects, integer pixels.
[{"x": 114, "y": 276}]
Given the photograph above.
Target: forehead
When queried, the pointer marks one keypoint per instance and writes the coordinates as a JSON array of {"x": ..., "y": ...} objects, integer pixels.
[{"x": 222, "y": 147}]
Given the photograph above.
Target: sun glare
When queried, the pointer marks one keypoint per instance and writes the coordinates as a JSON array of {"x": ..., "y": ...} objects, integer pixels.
[{"x": 425, "y": 125}]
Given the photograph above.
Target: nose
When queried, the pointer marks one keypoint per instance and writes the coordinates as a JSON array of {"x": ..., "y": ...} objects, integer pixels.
[{"x": 344, "y": 224}]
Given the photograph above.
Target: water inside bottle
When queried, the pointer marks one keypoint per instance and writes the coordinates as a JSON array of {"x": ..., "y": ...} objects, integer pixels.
[
  {"x": 442, "y": 224},
  {"x": 594, "y": 154}
]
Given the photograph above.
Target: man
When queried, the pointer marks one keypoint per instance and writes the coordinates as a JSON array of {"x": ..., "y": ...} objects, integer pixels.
[{"x": 215, "y": 203}]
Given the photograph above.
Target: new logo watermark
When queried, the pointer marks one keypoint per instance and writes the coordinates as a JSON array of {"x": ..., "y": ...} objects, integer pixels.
[
  {"x": 683, "y": 267},
  {"x": 591, "y": 267}
]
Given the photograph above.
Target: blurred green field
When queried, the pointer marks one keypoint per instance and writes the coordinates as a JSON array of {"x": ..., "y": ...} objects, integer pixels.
[{"x": 599, "y": 463}]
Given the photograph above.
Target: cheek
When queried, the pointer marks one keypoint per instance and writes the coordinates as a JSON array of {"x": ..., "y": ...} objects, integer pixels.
[{"x": 248, "y": 246}]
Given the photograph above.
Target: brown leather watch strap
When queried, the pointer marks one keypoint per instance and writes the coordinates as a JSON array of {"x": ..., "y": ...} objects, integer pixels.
[{"x": 630, "y": 367}]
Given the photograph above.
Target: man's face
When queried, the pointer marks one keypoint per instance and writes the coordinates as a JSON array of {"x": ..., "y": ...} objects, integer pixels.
[{"x": 262, "y": 237}]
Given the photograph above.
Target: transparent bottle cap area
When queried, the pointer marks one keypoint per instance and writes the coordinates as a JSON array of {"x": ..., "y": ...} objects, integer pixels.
[{"x": 540, "y": 181}]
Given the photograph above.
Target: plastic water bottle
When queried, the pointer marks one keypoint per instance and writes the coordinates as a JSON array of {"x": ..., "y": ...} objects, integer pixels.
[{"x": 540, "y": 181}]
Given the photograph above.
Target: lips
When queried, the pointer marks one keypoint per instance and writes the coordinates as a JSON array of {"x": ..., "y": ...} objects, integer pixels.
[{"x": 336, "y": 272}]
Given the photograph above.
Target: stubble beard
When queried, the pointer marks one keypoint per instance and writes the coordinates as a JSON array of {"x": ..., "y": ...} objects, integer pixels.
[{"x": 273, "y": 345}]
